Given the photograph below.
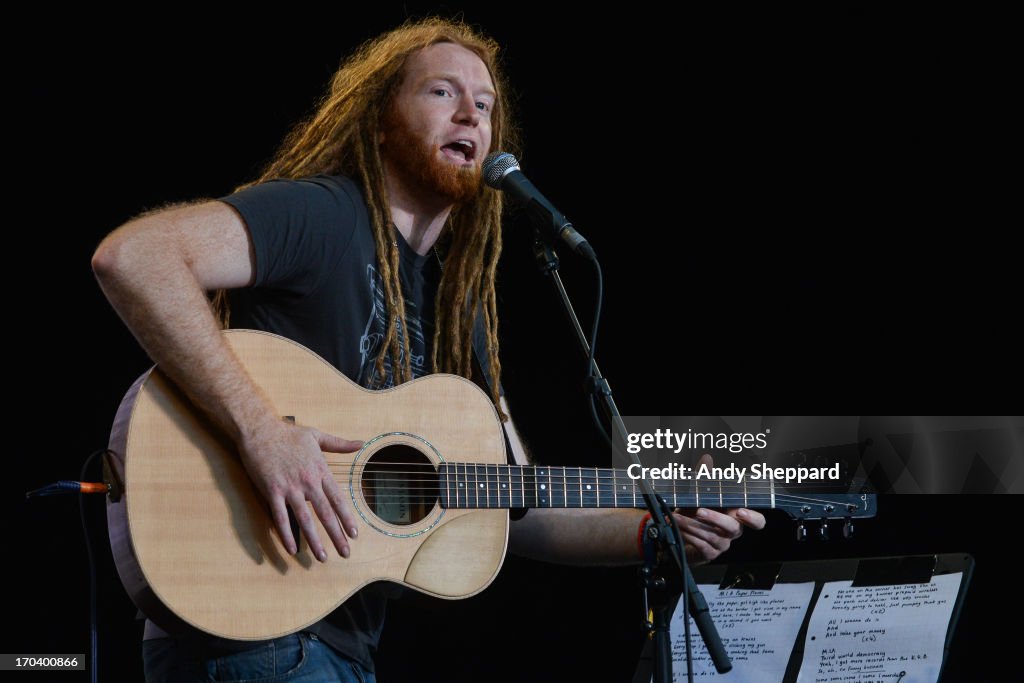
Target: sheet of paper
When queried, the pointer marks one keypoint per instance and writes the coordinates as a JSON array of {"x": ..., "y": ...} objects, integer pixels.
[
  {"x": 758, "y": 629},
  {"x": 884, "y": 634}
]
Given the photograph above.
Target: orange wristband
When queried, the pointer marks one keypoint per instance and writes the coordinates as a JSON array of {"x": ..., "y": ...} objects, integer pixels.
[{"x": 640, "y": 534}]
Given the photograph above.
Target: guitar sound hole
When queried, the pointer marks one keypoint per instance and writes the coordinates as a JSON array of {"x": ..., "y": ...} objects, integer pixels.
[{"x": 400, "y": 484}]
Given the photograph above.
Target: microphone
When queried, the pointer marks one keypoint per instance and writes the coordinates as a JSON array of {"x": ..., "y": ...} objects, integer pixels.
[{"x": 501, "y": 171}]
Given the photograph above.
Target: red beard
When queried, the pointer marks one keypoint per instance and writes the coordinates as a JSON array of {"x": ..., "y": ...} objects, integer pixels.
[{"x": 419, "y": 163}]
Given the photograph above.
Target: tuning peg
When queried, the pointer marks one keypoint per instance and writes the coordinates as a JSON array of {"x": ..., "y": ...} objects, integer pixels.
[
  {"x": 823, "y": 530},
  {"x": 801, "y": 532},
  {"x": 848, "y": 528}
]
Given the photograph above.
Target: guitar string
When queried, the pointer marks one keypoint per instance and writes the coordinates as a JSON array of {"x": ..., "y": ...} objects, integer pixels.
[
  {"x": 779, "y": 497},
  {"x": 706, "y": 486},
  {"x": 574, "y": 470},
  {"x": 576, "y": 478},
  {"x": 573, "y": 473},
  {"x": 606, "y": 488},
  {"x": 702, "y": 487},
  {"x": 779, "y": 501}
]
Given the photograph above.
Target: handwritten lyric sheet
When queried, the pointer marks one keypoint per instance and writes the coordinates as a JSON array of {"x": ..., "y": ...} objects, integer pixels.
[
  {"x": 758, "y": 629},
  {"x": 879, "y": 634}
]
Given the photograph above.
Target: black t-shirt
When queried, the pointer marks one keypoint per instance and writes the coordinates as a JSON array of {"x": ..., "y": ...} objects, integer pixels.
[{"x": 317, "y": 280}]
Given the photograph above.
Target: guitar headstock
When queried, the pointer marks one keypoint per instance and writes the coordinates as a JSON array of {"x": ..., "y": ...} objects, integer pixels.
[{"x": 826, "y": 507}]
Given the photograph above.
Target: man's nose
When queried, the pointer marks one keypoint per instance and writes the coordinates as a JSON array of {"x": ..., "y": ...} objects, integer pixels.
[{"x": 467, "y": 113}]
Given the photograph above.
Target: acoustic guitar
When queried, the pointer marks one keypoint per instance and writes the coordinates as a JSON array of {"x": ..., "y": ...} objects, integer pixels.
[{"x": 194, "y": 542}]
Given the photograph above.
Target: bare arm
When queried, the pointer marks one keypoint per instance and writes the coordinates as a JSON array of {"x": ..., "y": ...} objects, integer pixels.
[
  {"x": 609, "y": 536},
  {"x": 154, "y": 271}
]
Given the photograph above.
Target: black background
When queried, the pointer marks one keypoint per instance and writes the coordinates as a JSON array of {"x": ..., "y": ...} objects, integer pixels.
[{"x": 796, "y": 214}]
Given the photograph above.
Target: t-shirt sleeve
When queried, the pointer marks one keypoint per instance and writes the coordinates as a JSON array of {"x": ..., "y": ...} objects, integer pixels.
[{"x": 298, "y": 228}]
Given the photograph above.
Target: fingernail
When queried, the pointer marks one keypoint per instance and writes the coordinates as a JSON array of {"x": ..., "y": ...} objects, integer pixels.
[
  {"x": 322, "y": 555},
  {"x": 344, "y": 551},
  {"x": 742, "y": 513},
  {"x": 353, "y": 532},
  {"x": 702, "y": 513}
]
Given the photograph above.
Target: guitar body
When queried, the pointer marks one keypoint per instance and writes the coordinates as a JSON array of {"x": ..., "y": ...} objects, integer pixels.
[{"x": 193, "y": 539}]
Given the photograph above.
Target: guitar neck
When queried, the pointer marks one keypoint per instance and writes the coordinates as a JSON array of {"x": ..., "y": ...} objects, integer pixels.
[{"x": 470, "y": 485}]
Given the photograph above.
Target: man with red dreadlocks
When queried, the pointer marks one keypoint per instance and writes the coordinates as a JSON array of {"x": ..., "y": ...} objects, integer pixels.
[{"x": 337, "y": 245}]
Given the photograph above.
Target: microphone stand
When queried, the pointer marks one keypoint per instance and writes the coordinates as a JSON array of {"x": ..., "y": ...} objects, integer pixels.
[{"x": 660, "y": 593}]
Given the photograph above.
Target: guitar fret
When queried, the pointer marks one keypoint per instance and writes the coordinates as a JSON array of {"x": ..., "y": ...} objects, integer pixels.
[
  {"x": 558, "y": 487},
  {"x": 487, "y": 489},
  {"x": 442, "y": 491},
  {"x": 445, "y": 471},
  {"x": 550, "y": 489},
  {"x": 464, "y": 485},
  {"x": 587, "y": 492},
  {"x": 522, "y": 477},
  {"x": 535, "y": 487},
  {"x": 463, "y": 479},
  {"x": 605, "y": 488},
  {"x": 476, "y": 485},
  {"x": 497, "y": 487},
  {"x": 453, "y": 481},
  {"x": 481, "y": 486},
  {"x": 505, "y": 488}
]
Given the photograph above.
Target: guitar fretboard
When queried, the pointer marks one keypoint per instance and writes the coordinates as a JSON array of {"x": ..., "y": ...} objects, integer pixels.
[{"x": 469, "y": 485}]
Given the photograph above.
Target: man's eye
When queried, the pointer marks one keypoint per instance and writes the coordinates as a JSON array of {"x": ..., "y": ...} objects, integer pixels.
[
  {"x": 440, "y": 91},
  {"x": 483, "y": 106}
]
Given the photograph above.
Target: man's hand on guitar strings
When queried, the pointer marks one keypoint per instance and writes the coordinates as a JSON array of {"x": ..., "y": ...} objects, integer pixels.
[{"x": 287, "y": 465}]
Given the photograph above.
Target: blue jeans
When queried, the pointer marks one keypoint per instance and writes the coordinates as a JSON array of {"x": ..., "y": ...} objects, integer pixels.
[{"x": 298, "y": 658}]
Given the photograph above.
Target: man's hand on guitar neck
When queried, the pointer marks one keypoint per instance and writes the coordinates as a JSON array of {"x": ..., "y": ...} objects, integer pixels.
[
  {"x": 287, "y": 466},
  {"x": 708, "y": 533}
]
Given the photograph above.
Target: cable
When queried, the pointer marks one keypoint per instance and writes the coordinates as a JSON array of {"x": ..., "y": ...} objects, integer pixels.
[
  {"x": 595, "y": 384},
  {"x": 93, "y": 633},
  {"x": 83, "y": 487}
]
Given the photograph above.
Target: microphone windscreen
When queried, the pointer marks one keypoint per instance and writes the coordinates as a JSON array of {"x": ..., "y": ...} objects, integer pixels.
[{"x": 496, "y": 165}]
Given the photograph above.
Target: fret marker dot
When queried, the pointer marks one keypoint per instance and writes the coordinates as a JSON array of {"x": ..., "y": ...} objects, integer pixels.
[
  {"x": 481, "y": 485},
  {"x": 504, "y": 486},
  {"x": 588, "y": 487},
  {"x": 460, "y": 484},
  {"x": 543, "y": 486}
]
